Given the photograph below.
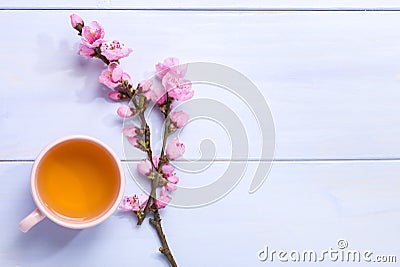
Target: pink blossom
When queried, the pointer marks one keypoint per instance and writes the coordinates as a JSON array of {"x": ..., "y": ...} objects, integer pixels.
[
  {"x": 170, "y": 187},
  {"x": 175, "y": 149},
  {"x": 130, "y": 204},
  {"x": 163, "y": 68},
  {"x": 131, "y": 132},
  {"x": 92, "y": 35},
  {"x": 134, "y": 203},
  {"x": 171, "y": 184},
  {"x": 173, "y": 179},
  {"x": 114, "y": 95},
  {"x": 85, "y": 51},
  {"x": 166, "y": 169},
  {"x": 145, "y": 167},
  {"x": 112, "y": 76},
  {"x": 179, "y": 118},
  {"x": 170, "y": 64},
  {"x": 114, "y": 50},
  {"x": 133, "y": 141},
  {"x": 163, "y": 199},
  {"x": 75, "y": 19},
  {"x": 124, "y": 111},
  {"x": 158, "y": 95},
  {"x": 146, "y": 88},
  {"x": 177, "y": 88}
]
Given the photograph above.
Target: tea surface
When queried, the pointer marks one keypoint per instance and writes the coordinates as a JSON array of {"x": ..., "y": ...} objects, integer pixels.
[{"x": 78, "y": 179}]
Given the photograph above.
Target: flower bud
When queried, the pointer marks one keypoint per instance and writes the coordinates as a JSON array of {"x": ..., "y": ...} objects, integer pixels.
[
  {"x": 114, "y": 95},
  {"x": 130, "y": 131},
  {"x": 75, "y": 20},
  {"x": 163, "y": 200},
  {"x": 173, "y": 179},
  {"x": 170, "y": 187},
  {"x": 171, "y": 183},
  {"x": 145, "y": 167},
  {"x": 124, "y": 111},
  {"x": 175, "y": 149},
  {"x": 179, "y": 118}
]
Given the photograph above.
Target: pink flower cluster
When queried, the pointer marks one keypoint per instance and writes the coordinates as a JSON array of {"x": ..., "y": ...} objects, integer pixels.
[
  {"x": 178, "y": 119},
  {"x": 114, "y": 75},
  {"x": 174, "y": 150},
  {"x": 93, "y": 44},
  {"x": 171, "y": 86},
  {"x": 131, "y": 132},
  {"x": 170, "y": 181},
  {"x": 92, "y": 38},
  {"x": 134, "y": 203},
  {"x": 177, "y": 88},
  {"x": 145, "y": 167}
]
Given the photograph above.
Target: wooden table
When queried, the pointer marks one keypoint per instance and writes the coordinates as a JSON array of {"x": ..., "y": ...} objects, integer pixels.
[{"x": 329, "y": 70}]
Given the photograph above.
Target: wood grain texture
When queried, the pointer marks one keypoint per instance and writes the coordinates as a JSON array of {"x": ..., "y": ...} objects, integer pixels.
[
  {"x": 301, "y": 206},
  {"x": 331, "y": 78},
  {"x": 207, "y": 4}
]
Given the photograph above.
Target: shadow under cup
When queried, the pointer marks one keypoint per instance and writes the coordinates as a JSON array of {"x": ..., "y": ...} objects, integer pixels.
[{"x": 78, "y": 183}]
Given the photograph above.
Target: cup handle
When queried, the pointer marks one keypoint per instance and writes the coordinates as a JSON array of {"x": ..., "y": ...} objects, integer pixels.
[{"x": 32, "y": 219}]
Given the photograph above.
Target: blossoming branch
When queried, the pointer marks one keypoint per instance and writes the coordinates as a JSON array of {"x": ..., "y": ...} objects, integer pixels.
[{"x": 168, "y": 87}]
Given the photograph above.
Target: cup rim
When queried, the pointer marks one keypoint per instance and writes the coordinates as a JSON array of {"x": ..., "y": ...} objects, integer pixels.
[{"x": 45, "y": 210}]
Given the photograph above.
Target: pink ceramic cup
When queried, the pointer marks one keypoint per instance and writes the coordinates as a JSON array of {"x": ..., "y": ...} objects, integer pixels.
[{"x": 43, "y": 210}]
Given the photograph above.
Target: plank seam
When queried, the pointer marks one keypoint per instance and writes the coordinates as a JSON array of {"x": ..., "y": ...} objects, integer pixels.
[
  {"x": 202, "y": 9},
  {"x": 250, "y": 160}
]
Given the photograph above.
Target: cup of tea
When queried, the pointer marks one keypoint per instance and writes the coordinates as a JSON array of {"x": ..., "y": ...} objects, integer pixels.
[{"x": 77, "y": 182}]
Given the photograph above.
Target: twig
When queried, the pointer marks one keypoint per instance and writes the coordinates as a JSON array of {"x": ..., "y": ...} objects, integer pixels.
[
  {"x": 164, "y": 249},
  {"x": 149, "y": 152},
  {"x": 151, "y": 202}
]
